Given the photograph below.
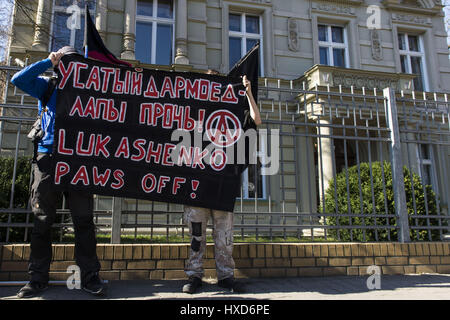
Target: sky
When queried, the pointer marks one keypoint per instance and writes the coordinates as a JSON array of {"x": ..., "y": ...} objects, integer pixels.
[{"x": 6, "y": 8}]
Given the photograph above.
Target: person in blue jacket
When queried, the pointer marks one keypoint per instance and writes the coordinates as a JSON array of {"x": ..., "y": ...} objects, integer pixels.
[{"x": 43, "y": 197}]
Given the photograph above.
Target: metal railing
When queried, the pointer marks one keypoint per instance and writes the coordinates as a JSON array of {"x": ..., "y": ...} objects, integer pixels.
[{"x": 353, "y": 165}]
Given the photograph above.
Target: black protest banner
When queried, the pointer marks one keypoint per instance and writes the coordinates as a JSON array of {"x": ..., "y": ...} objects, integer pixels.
[{"x": 114, "y": 126}]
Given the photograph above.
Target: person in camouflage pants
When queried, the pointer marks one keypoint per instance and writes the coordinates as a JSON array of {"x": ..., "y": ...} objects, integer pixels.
[{"x": 197, "y": 218}]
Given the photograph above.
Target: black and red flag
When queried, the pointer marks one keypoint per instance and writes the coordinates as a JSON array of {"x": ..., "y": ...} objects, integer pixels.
[
  {"x": 248, "y": 65},
  {"x": 94, "y": 46}
]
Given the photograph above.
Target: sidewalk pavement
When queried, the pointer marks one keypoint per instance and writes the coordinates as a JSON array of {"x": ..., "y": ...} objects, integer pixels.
[{"x": 398, "y": 287}]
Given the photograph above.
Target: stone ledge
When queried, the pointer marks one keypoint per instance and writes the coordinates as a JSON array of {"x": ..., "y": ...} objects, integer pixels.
[{"x": 166, "y": 261}]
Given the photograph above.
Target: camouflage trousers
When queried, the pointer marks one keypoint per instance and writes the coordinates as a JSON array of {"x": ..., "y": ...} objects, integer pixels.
[{"x": 197, "y": 219}]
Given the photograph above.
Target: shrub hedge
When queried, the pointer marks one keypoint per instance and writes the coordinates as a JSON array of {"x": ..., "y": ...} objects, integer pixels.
[{"x": 378, "y": 200}]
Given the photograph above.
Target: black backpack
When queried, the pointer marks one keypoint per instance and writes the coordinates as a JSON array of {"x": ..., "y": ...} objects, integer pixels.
[{"x": 36, "y": 133}]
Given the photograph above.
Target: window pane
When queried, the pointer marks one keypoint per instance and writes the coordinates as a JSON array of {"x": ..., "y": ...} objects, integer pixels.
[
  {"x": 323, "y": 33},
  {"x": 165, "y": 9},
  {"x": 404, "y": 64},
  {"x": 250, "y": 44},
  {"x": 235, "y": 22},
  {"x": 416, "y": 65},
  {"x": 418, "y": 84},
  {"x": 323, "y": 55},
  {"x": 337, "y": 34},
  {"x": 164, "y": 44},
  {"x": 424, "y": 152},
  {"x": 143, "y": 48},
  {"x": 145, "y": 8},
  {"x": 235, "y": 50},
  {"x": 63, "y": 3},
  {"x": 413, "y": 42},
  {"x": 401, "y": 41},
  {"x": 339, "y": 57},
  {"x": 79, "y": 3},
  {"x": 61, "y": 34},
  {"x": 252, "y": 24},
  {"x": 416, "y": 68},
  {"x": 426, "y": 174}
]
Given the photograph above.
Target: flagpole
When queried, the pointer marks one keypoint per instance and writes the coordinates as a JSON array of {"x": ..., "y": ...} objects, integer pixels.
[{"x": 86, "y": 13}]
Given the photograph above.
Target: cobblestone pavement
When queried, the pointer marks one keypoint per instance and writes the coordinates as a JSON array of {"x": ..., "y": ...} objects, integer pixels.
[{"x": 403, "y": 287}]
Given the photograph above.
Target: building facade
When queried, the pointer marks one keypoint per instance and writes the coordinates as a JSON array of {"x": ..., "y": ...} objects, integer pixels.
[
  {"x": 334, "y": 47},
  {"x": 382, "y": 36}
]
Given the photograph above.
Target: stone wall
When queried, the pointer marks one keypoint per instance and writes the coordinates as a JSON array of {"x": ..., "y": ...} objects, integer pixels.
[{"x": 166, "y": 261}]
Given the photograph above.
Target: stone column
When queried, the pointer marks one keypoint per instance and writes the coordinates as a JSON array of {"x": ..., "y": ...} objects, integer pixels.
[
  {"x": 305, "y": 167},
  {"x": 41, "y": 38},
  {"x": 268, "y": 47},
  {"x": 101, "y": 18},
  {"x": 129, "y": 37},
  {"x": 325, "y": 155},
  {"x": 181, "y": 56},
  {"x": 410, "y": 150}
]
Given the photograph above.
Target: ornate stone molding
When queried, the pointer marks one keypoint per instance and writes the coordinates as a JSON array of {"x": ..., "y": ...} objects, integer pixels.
[
  {"x": 321, "y": 75},
  {"x": 129, "y": 40},
  {"x": 333, "y": 8},
  {"x": 427, "y": 7},
  {"x": 411, "y": 18},
  {"x": 260, "y": 1},
  {"x": 377, "y": 50},
  {"x": 181, "y": 55},
  {"x": 293, "y": 43},
  {"x": 359, "y": 81}
]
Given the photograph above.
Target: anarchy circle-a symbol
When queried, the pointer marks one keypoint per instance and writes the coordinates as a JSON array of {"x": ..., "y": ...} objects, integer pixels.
[{"x": 223, "y": 128}]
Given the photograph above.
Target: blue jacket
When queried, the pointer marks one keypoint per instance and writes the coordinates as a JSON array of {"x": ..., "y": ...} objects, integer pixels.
[{"x": 29, "y": 81}]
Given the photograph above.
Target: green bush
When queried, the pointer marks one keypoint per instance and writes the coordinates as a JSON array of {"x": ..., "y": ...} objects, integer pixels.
[
  {"x": 382, "y": 203},
  {"x": 21, "y": 199},
  {"x": 21, "y": 194},
  {"x": 21, "y": 189}
]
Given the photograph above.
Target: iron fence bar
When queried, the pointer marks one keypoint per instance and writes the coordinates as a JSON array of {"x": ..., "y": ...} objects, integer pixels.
[
  {"x": 383, "y": 175},
  {"x": 330, "y": 125},
  {"x": 18, "y": 106},
  {"x": 291, "y": 217},
  {"x": 355, "y": 132},
  {"x": 426, "y": 142},
  {"x": 262, "y": 226},
  {"x": 116, "y": 220},
  {"x": 414, "y": 144},
  {"x": 313, "y": 135},
  {"x": 349, "y": 207},
  {"x": 397, "y": 166},
  {"x": 312, "y": 92}
]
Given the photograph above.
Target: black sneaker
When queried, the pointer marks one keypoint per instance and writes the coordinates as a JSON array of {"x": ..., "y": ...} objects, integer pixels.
[
  {"x": 192, "y": 286},
  {"x": 231, "y": 284},
  {"x": 32, "y": 289},
  {"x": 94, "y": 285}
]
